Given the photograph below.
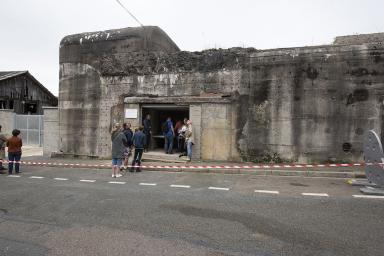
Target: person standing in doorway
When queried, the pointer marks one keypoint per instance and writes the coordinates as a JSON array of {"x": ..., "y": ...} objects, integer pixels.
[
  {"x": 189, "y": 140},
  {"x": 128, "y": 147},
  {"x": 3, "y": 141},
  {"x": 183, "y": 136},
  {"x": 139, "y": 141},
  {"x": 179, "y": 135},
  {"x": 14, "y": 145},
  {"x": 147, "y": 131},
  {"x": 118, "y": 146},
  {"x": 169, "y": 135}
]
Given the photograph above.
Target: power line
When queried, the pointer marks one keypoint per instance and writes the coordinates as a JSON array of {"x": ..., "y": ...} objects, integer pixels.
[{"x": 129, "y": 13}]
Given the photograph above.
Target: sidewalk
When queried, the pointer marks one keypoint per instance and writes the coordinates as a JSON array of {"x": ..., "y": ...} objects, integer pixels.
[
  {"x": 32, "y": 157},
  {"x": 28, "y": 151}
]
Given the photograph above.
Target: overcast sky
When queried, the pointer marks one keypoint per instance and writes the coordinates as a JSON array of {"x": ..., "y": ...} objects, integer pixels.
[{"x": 30, "y": 30}]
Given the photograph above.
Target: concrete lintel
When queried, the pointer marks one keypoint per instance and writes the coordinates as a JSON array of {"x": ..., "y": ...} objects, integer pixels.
[
  {"x": 178, "y": 100},
  {"x": 49, "y": 107}
]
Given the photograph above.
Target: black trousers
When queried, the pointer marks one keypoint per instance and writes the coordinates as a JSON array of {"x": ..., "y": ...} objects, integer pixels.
[
  {"x": 137, "y": 158},
  {"x": 148, "y": 140}
]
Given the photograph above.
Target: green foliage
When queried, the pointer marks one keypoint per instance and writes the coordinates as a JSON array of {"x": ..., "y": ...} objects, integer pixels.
[{"x": 267, "y": 157}]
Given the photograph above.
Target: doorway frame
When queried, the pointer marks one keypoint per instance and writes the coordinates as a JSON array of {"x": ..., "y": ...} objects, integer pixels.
[{"x": 195, "y": 104}]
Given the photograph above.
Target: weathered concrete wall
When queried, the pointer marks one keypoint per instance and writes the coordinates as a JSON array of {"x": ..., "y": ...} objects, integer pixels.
[
  {"x": 51, "y": 131},
  {"x": 359, "y": 39},
  {"x": 216, "y": 129},
  {"x": 195, "y": 117},
  {"x": 299, "y": 104},
  {"x": 314, "y": 103},
  {"x": 7, "y": 121},
  {"x": 85, "y": 102}
]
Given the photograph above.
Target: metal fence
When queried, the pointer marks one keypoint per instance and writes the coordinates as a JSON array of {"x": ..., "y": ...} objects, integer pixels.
[{"x": 31, "y": 127}]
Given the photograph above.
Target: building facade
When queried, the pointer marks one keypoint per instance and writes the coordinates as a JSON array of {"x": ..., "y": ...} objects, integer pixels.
[
  {"x": 307, "y": 104},
  {"x": 20, "y": 91}
]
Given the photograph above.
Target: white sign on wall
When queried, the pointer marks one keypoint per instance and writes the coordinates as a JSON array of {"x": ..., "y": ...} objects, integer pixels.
[{"x": 130, "y": 113}]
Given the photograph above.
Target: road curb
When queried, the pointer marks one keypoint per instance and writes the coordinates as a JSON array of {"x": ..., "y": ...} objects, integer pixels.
[{"x": 301, "y": 173}]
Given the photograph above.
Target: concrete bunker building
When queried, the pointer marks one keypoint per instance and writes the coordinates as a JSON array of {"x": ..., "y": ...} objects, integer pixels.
[{"x": 307, "y": 104}]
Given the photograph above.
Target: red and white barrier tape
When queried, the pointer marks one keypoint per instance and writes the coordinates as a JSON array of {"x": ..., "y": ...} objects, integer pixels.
[{"x": 260, "y": 166}]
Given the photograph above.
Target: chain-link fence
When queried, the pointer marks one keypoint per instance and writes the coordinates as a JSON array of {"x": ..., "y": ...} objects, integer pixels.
[{"x": 31, "y": 127}]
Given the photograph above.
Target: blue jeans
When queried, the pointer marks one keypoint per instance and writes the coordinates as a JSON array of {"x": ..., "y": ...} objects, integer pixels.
[
  {"x": 137, "y": 158},
  {"x": 168, "y": 147},
  {"x": 189, "y": 149},
  {"x": 14, "y": 156},
  {"x": 117, "y": 161}
]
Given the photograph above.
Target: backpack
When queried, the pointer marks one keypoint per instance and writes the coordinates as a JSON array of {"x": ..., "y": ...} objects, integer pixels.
[{"x": 128, "y": 134}]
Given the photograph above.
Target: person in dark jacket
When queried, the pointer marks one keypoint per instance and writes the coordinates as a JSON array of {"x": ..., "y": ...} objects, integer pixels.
[
  {"x": 169, "y": 135},
  {"x": 128, "y": 147},
  {"x": 139, "y": 142},
  {"x": 14, "y": 145},
  {"x": 118, "y": 146},
  {"x": 147, "y": 131}
]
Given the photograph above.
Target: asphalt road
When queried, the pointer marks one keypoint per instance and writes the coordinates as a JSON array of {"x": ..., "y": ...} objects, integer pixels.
[{"x": 52, "y": 211}]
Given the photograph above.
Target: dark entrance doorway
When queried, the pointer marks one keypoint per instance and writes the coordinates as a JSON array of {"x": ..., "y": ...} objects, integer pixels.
[{"x": 159, "y": 113}]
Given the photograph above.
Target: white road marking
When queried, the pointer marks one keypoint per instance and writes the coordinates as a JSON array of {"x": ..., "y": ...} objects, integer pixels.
[
  {"x": 14, "y": 176},
  {"x": 116, "y": 182},
  {"x": 36, "y": 177},
  {"x": 180, "y": 186},
  {"x": 218, "y": 188},
  {"x": 267, "y": 191},
  {"x": 315, "y": 194},
  {"x": 368, "y": 196},
  {"x": 60, "y": 179},
  {"x": 147, "y": 184},
  {"x": 87, "y": 180}
]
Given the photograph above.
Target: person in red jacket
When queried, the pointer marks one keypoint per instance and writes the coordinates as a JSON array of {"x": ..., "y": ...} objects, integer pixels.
[
  {"x": 3, "y": 140},
  {"x": 14, "y": 145}
]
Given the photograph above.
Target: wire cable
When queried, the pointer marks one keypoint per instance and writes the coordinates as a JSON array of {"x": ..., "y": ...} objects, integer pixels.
[{"x": 129, "y": 12}]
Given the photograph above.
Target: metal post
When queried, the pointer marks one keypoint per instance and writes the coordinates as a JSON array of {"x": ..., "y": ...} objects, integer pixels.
[
  {"x": 14, "y": 121},
  {"x": 27, "y": 130},
  {"x": 39, "y": 131}
]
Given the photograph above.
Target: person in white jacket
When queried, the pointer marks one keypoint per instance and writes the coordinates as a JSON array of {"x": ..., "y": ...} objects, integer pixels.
[{"x": 189, "y": 139}]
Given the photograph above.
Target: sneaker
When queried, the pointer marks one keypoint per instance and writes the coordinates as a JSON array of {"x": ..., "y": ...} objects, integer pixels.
[
  {"x": 119, "y": 175},
  {"x": 113, "y": 176}
]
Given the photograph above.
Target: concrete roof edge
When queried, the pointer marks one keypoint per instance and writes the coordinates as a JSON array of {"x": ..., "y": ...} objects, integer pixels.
[{"x": 113, "y": 34}]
